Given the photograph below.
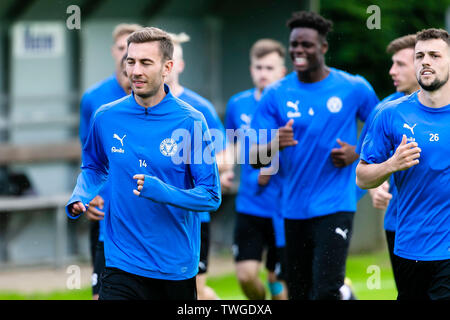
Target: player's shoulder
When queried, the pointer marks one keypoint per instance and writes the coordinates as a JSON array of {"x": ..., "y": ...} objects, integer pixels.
[
  {"x": 99, "y": 86},
  {"x": 197, "y": 101},
  {"x": 355, "y": 80},
  {"x": 109, "y": 107},
  {"x": 194, "y": 96},
  {"x": 391, "y": 107},
  {"x": 242, "y": 96},
  {"x": 186, "y": 110}
]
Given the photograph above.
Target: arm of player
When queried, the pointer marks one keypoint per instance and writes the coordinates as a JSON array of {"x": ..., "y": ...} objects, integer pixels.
[
  {"x": 343, "y": 156},
  {"x": 261, "y": 154},
  {"x": 94, "y": 173},
  {"x": 205, "y": 194},
  {"x": 371, "y": 175},
  {"x": 199, "y": 198}
]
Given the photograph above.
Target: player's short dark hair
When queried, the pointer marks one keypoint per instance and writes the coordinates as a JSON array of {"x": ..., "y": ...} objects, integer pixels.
[
  {"x": 405, "y": 42},
  {"x": 309, "y": 19},
  {"x": 264, "y": 47},
  {"x": 433, "y": 33},
  {"x": 149, "y": 34}
]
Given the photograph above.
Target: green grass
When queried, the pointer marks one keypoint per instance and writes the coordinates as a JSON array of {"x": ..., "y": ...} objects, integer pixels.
[{"x": 227, "y": 287}]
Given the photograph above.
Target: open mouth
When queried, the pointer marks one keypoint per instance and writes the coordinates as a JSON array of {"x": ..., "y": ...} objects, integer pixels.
[{"x": 300, "y": 62}]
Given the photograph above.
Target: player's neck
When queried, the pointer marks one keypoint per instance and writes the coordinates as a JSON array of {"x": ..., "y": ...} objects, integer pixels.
[
  {"x": 257, "y": 94},
  {"x": 435, "y": 99},
  {"x": 412, "y": 90},
  {"x": 314, "y": 75},
  {"x": 151, "y": 101}
]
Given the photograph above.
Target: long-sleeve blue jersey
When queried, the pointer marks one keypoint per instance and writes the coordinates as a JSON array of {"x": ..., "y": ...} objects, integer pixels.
[{"x": 157, "y": 234}]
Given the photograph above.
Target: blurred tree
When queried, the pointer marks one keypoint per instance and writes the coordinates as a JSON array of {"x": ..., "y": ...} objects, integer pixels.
[{"x": 355, "y": 48}]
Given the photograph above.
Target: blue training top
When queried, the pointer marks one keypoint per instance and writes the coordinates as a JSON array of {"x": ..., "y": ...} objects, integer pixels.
[
  {"x": 423, "y": 202},
  {"x": 323, "y": 112},
  {"x": 157, "y": 234}
]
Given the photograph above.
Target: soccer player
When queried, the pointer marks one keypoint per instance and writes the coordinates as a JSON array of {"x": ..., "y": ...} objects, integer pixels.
[
  {"x": 156, "y": 151},
  {"x": 217, "y": 130},
  {"x": 112, "y": 88},
  {"x": 409, "y": 139},
  {"x": 256, "y": 201},
  {"x": 403, "y": 75},
  {"x": 313, "y": 111}
]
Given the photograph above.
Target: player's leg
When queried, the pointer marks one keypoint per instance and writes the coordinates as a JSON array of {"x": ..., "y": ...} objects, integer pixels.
[
  {"x": 390, "y": 238},
  {"x": 117, "y": 284},
  {"x": 203, "y": 291},
  {"x": 440, "y": 281},
  {"x": 94, "y": 229},
  {"x": 414, "y": 279},
  {"x": 99, "y": 265},
  {"x": 247, "y": 250},
  {"x": 276, "y": 286},
  {"x": 332, "y": 234},
  {"x": 298, "y": 259},
  {"x": 174, "y": 289}
]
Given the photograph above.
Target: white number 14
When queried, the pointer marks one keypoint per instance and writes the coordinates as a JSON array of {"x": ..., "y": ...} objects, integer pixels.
[{"x": 142, "y": 163}]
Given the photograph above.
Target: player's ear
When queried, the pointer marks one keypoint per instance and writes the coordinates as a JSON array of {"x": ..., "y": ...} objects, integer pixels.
[
  {"x": 324, "y": 46},
  {"x": 168, "y": 66}
]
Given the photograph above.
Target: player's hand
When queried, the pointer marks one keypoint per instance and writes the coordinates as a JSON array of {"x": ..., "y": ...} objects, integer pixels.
[
  {"x": 343, "y": 156},
  {"x": 93, "y": 213},
  {"x": 226, "y": 180},
  {"x": 263, "y": 179},
  {"x": 285, "y": 135},
  {"x": 406, "y": 156},
  {"x": 76, "y": 208},
  {"x": 140, "y": 183},
  {"x": 380, "y": 196}
]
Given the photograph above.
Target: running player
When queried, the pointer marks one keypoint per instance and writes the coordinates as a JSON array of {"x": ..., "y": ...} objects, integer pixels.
[
  {"x": 409, "y": 139},
  {"x": 147, "y": 144},
  {"x": 314, "y": 111},
  {"x": 112, "y": 88},
  {"x": 256, "y": 201},
  {"x": 217, "y": 130},
  {"x": 403, "y": 75}
]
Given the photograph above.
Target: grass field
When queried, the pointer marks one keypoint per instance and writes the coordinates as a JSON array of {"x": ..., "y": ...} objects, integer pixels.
[{"x": 361, "y": 269}]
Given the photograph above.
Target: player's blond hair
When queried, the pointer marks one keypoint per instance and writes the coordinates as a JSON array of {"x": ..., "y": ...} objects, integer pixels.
[{"x": 124, "y": 28}]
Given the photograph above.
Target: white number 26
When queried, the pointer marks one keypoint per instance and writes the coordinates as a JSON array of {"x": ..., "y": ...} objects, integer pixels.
[{"x": 434, "y": 136}]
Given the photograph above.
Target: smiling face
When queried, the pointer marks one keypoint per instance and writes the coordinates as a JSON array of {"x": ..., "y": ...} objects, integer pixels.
[
  {"x": 146, "y": 68},
  {"x": 432, "y": 63},
  {"x": 307, "y": 49}
]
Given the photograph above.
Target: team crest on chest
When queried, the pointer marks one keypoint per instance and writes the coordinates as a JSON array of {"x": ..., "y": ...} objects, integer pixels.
[
  {"x": 334, "y": 104},
  {"x": 168, "y": 147}
]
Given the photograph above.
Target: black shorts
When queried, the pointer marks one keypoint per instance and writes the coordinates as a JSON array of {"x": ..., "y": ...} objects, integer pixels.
[
  {"x": 316, "y": 253},
  {"x": 204, "y": 248},
  {"x": 120, "y": 285},
  {"x": 423, "y": 280},
  {"x": 252, "y": 235},
  {"x": 99, "y": 265}
]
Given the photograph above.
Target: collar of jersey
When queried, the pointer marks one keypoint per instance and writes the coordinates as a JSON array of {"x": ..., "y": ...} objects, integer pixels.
[
  {"x": 315, "y": 85},
  {"x": 429, "y": 109},
  {"x": 159, "y": 109}
]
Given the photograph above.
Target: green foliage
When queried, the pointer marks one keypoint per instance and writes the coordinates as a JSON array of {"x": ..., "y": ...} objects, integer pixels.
[{"x": 358, "y": 50}]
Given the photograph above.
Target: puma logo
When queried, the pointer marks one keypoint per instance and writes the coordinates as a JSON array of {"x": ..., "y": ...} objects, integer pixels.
[
  {"x": 293, "y": 105},
  {"x": 341, "y": 232},
  {"x": 115, "y": 136},
  {"x": 405, "y": 125}
]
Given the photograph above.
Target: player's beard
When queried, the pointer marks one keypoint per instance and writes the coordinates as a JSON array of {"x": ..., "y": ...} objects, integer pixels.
[{"x": 433, "y": 86}]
